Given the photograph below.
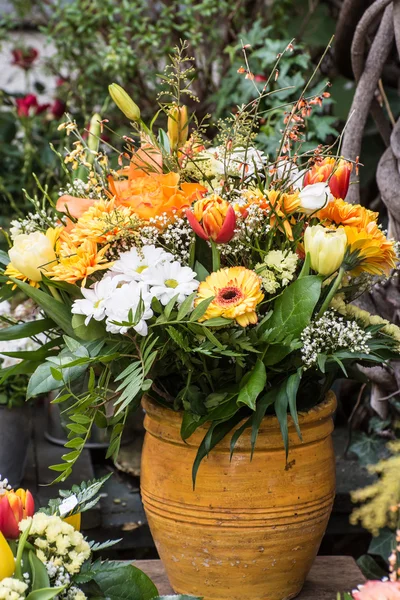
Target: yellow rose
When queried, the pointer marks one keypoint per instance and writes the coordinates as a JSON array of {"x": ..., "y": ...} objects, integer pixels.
[
  {"x": 33, "y": 254},
  {"x": 326, "y": 248}
]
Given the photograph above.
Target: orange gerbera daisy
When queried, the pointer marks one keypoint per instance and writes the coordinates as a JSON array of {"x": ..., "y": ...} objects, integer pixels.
[
  {"x": 342, "y": 213},
  {"x": 152, "y": 195},
  {"x": 77, "y": 263},
  {"x": 237, "y": 292},
  {"x": 371, "y": 251}
]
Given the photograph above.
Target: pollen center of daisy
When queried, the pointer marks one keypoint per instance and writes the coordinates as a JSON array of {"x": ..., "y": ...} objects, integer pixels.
[
  {"x": 141, "y": 269},
  {"x": 171, "y": 283},
  {"x": 229, "y": 295}
]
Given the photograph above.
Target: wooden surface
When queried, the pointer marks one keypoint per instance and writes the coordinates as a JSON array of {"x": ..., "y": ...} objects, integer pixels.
[{"x": 329, "y": 575}]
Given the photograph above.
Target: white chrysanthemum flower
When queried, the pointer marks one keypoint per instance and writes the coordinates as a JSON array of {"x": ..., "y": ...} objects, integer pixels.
[
  {"x": 12, "y": 589},
  {"x": 169, "y": 279},
  {"x": 123, "y": 303},
  {"x": 94, "y": 302},
  {"x": 133, "y": 264}
]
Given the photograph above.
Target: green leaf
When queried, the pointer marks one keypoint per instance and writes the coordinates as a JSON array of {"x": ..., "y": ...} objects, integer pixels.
[
  {"x": 43, "y": 380},
  {"x": 200, "y": 309},
  {"x": 124, "y": 582},
  {"x": 40, "y": 579},
  {"x": 305, "y": 270},
  {"x": 94, "y": 330},
  {"x": 186, "y": 306},
  {"x": 217, "y": 322},
  {"x": 219, "y": 431},
  {"x": 45, "y": 593},
  {"x": 200, "y": 271},
  {"x": 294, "y": 308},
  {"x": 22, "y": 330},
  {"x": 383, "y": 544},
  {"x": 225, "y": 410},
  {"x": 281, "y": 406},
  {"x": 178, "y": 597},
  {"x": 370, "y": 568},
  {"x": 292, "y": 386},
  {"x": 59, "y": 312},
  {"x": 253, "y": 386},
  {"x": 368, "y": 448},
  {"x": 4, "y": 258}
]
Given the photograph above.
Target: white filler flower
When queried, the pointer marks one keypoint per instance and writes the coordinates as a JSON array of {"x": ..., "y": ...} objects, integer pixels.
[{"x": 166, "y": 280}]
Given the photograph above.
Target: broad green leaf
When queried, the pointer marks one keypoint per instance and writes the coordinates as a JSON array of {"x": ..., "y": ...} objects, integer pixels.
[
  {"x": 22, "y": 330},
  {"x": 223, "y": 411},
  {"x": 294, "y": 308},
  {"x": 383, "y": 544},
  {"x": 186, "y": 306},
  {"x": 43, "y": 380},
  {"x": 370, "y": 568},
  {"x": 253, "y": 386},
  {"x": 45, "y": 593},
  {"x": 94, "y": 330},
  {"x": 124, "y": 582},
  {"x": 200, "y": 271},
  {"x": 217, "y": 322},
  {"x": 59, "y": 312},
  {"x": 4, "y": 258},
  {"x": 305, "y": 270}
]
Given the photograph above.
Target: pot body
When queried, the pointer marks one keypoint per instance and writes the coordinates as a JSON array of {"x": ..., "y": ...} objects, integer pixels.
[
  {"x": 15, "y": 434},
  {"x": 250, "y": 529}
]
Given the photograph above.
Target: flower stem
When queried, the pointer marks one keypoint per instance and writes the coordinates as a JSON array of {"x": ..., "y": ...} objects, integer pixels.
[
  {"x": 216, "y": 259},
  {"x": 332, "y": 292}
]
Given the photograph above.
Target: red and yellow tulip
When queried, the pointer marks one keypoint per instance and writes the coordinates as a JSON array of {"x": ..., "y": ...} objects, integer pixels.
[
  {"x": 213, "y": 219},
  {"x": 14, "y": 506},
  {"x": 335, "y": 172}
]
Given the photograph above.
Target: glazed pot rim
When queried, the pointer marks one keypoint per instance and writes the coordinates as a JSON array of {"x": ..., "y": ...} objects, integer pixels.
[{"x": 321, "y": 411}]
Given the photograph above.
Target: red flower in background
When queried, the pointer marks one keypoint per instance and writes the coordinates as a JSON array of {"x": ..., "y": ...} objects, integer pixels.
[
  {"x": 57, "y": 109},
  {"x": 24, "y": 57},
  {"x": 28, "y": 106}
]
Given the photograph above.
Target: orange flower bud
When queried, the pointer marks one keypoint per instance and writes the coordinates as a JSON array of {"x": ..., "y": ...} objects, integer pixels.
[
  {"x": 14, "y": 506},
  {"x": 213, "y": 219},
  {"x": 178, "y": 126},
  {"x": 336, "y": 173}
]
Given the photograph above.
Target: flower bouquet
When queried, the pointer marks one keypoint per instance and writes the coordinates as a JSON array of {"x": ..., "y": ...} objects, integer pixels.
[
  {"x": 215, "y": 284},
  {"x": 47, "y": 557}
]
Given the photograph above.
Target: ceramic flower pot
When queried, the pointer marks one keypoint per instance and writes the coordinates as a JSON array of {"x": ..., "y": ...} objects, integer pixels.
[{"x": 250, "y": 529}]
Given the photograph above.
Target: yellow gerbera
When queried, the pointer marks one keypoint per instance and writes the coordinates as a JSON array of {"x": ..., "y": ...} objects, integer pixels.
[
  {"x": 342, "y": 213},
  {"x": 104, "y": 222},
  {"x": 77, "y": 263},
  {"x": 236, "y": 291},
  {"x": 374, "y": 253}
]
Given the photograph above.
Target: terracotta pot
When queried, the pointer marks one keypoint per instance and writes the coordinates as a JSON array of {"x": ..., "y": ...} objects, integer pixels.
[{"x": 251, "y": 529}]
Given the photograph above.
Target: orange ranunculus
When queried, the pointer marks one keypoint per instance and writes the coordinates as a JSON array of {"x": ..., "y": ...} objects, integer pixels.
[
  {"x": 342, "y": 213},
  {"x": 14, "y": 506},
  {"x": 335, "y": 172},
  {"x": 213, "y": 218},
  {"x": 154, "y": 194}
]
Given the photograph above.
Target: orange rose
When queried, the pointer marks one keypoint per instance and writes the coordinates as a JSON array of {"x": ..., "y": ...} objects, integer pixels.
[{"x": 153, "y": 194}]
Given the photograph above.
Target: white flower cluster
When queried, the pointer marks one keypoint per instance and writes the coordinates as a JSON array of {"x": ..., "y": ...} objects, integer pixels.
[
  {"x": 80, "y": 189},
  {"x": 254, "y": 225},
  {"x": 57, "y": 542},
  {"x": 329, "y": 333},
  {"x": 139, "y": 275},
  {"x": 217, "y": 162},
  {"x": 177, "y": 235},
  {"x": 60, "y": 577},
  {"x": 12, "y": 589},
  {"x": 277, "y": 269},
  {"x": 38, "y": 221}
]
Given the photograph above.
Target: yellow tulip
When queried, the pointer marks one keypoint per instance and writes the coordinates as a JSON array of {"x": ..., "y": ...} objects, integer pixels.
[
  {"x": 74, "y": 520},
  {"x": 124, "y": 102},
  {"x": 178, "y": 126},
  {"x": 326, "y": 248},
  {"x": 7, "y": 562}
]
